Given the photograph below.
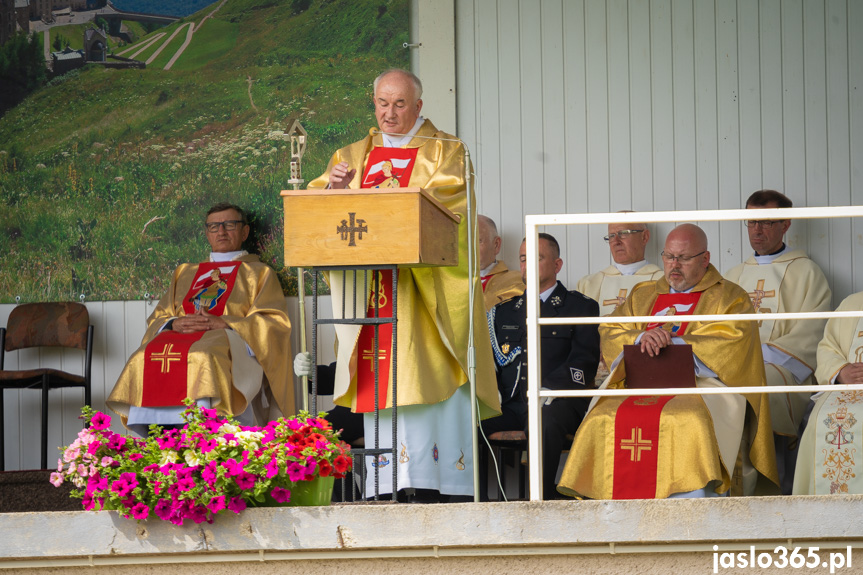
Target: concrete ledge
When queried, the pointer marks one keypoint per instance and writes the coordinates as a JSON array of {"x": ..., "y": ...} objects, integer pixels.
[{"x": 465, "y": 530}]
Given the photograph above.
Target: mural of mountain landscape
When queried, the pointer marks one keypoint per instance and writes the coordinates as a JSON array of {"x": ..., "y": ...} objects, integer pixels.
[{"x": 105, "y": 174}]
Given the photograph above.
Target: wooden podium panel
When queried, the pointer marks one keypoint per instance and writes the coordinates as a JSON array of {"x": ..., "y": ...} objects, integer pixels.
[{"x": 403, "y": 226}]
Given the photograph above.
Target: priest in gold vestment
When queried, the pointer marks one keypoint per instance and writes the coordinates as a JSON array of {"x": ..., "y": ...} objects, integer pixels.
[
  {"x": 233, "y": 315},
  {"x": 499, "y": 283},
  {"x": 830, "y": 458},
  {"x": 433, "y": 425},
  {"x": 686, "y": 445}
]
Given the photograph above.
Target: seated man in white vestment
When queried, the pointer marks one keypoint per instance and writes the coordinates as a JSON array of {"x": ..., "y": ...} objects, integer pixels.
[
  {"x": 609, "y": 287},
  {"x": 220, "y": 336},
  {"x": 830, "y": 458},
  {"x": 645, "y": 447},
  {"x": 780, "y": 279},
  {"x": 434, "y": 433}
]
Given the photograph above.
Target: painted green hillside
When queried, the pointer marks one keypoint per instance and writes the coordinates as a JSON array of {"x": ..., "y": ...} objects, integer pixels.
[{"x": 105, "y": 173}]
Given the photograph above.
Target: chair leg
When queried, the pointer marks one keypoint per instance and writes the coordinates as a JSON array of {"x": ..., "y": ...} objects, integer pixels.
[{"x": 45, "y": 421}]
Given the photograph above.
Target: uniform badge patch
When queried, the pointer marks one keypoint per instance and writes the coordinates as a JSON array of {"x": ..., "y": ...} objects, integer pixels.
[
  {"x": 504, "y": 348},
  {"x": 577, "y": 375}
]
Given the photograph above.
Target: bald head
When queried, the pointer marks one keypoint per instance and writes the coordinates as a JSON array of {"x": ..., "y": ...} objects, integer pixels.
[
  {"x": 489, "y": 241},
  {"x": 685, "y": 256}
]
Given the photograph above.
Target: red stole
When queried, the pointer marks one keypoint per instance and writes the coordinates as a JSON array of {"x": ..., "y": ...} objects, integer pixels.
[
  {"x": 366, "y": 347},
  {"x": 484, "y": 280},
  {"x": 636, "y": 423},
  {"x": 389, "y": 167},
  {"x": 166, "y": 358}
]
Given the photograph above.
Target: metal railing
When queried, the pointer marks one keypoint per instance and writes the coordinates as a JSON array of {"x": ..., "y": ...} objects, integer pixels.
[{"x": 534, "y": 375}]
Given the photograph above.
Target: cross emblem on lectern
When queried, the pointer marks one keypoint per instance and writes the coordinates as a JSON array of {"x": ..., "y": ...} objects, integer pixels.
[
  {"x": 636, "y": 444},
  {"x": 166, "y": 356},
  {"x": 347, "y": 230},
  {"x": 616, "y": 301}
]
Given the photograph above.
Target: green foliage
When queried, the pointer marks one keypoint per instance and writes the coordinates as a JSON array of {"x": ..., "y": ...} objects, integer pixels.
[
  {"x": 22, "y": 69},
  {"x": 105, "y": 175}
]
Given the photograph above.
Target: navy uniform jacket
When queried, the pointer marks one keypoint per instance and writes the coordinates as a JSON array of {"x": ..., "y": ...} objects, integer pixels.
[{"x": 570, "y": 353}]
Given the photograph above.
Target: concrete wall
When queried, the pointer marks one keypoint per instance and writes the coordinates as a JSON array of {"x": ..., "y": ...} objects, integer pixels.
[{"x": 645, "y": 537}]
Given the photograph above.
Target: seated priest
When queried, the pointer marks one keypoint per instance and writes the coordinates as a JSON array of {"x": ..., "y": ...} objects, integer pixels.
[
  {"x": 826, "y": 463},
  {"x": 645, "y": 447},
  {"x": 220, "y": 336}
]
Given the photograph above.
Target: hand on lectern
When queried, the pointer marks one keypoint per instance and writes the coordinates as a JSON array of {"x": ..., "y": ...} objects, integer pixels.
[
  {"x": 341, "y": 176},
  {"x": 303, "y": 364}
]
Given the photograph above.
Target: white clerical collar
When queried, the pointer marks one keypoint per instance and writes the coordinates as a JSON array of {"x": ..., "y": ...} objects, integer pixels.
[
  {"x": 672, "y": 290},
  {"x": 630, "y": 269},
  {"x": 768, "y": 259},
  {"x": 544, "y": 295},
  {"x": 226, "y": 256},
  {"x": 487, "y": 270},
  {"x": 399, "y": 141}
]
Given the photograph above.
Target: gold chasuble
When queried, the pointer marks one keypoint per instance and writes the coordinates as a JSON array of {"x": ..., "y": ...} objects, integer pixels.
[
  {"x": 501, "y": 284},
  {"x": 169, "y": 367},
  {"x": 432, "y": 302},
  {"x": 694, "y": 441},
  {"x": 831, "y": 448}
]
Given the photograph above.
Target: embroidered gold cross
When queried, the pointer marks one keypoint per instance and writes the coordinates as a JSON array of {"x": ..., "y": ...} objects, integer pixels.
[
  {"x": 621, "y": 297},
  {"x": 759, "y": 294},
  {"x": 859, "y": 350},
  {"x": 166, "y": 356},
  {"x": 370, "y": 355},
  {"x": 636, "y": 444}
]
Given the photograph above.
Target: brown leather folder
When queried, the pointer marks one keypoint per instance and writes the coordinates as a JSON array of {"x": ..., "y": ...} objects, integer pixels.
[{"x": 674, "y": 366}]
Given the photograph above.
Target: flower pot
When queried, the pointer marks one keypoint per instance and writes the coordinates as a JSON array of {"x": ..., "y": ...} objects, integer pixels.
[{"x": 317, "y": 491}]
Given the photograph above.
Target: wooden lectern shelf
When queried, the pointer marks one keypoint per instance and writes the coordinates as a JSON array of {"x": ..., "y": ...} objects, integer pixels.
[{"x": 403, "y": 226}]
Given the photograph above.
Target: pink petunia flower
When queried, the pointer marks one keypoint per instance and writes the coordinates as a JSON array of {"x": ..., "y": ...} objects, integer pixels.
[
  {"x": 140, "y": 511},
  {"x": 236, "y": 504},
  {"x": 281, "y": 494},
  {"x": 100, "y": 421},
  {"x": 216, "y": 504},
  {"x": 245, "y": 480},
  {"x": 56, "y": 479}
]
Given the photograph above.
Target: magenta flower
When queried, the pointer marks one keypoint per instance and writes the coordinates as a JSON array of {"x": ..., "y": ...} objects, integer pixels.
[
  {"x": 207, "y": 445},
  {"x": 163, "y": 509},
  {"x": 117, "y": 442},
  {"x": 186, "y": 484},
  {"x": 233, "y": 467},
  {"x": 281, "y": 494},
  {"x": 216, "y": 504},
  {"x": 210, "y": 473},
  {"x": 93, "y": 447},
  {"x": 100, "y": 421},
  {"x": 245, "y": 480},
  {"x": 140, "y": 511},
  {"x": 135, "y": 456},
  {"x": 272, "y": 468},
  {"x": 236, "y": 504}
]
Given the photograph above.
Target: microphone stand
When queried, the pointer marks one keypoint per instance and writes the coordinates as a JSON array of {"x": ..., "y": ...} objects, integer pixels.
[{"x": 471, "y": 254}]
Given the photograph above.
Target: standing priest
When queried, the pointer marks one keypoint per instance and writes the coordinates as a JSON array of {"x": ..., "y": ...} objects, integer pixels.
[
  {"x": 220, "y": 336},
  {"x": 645, "y": 447},
  {"x": 434, "y": 432}
]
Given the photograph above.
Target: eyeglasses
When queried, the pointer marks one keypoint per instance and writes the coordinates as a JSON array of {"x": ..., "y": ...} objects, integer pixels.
[
  {"x": 229, "y": 225},
  {"x": 622, "y": 234},
  {"x": 681, "y": 259},
  {"x": 765, "y": 224}
]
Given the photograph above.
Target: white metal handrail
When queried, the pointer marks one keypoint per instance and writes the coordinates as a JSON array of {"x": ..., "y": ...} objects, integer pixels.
[{"x": 534, "y": 394}]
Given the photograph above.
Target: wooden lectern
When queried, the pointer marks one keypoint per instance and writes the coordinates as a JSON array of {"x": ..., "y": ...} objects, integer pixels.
[
  {"x": 367, "y": 229},
  {"x": 402, "y": 226}
]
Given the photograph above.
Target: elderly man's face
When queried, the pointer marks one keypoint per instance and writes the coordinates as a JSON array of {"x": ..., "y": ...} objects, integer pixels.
[
  {"x": 489, "y": 246},
  {"x": 222, "y": 239},
  {"x": 765, "y": 237},
  {"x": 627, "y": 249},
  {"x": 684, "y": 273},
  {"x": 396, "y": 104}
]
